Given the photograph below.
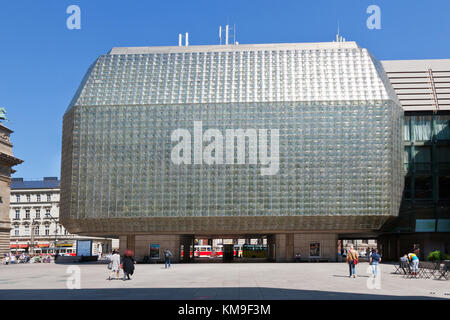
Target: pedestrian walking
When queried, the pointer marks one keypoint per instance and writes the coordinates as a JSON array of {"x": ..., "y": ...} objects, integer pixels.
[
  {"x": 414, "y": 261},
  {"x": 375, "y": 259},
  {"x": 128, "y": 263},
  {"x": 352, "y": 260},
  {"x": 167, "y": 258},
  {"x": 114, "y": 265}
]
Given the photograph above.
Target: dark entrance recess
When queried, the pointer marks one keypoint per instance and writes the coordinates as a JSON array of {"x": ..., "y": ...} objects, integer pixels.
[{"x": 228, "y": 253}]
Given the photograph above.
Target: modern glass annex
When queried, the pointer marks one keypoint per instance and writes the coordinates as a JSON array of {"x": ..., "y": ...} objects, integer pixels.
[{"x": 150, "y": 141}]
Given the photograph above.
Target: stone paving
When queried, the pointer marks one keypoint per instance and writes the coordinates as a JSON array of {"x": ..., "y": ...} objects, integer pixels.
[{"x": 239, "y": 281}]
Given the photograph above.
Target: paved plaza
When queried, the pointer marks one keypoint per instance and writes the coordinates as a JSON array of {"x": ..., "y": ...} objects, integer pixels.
[{"x": 207, "y": 281}]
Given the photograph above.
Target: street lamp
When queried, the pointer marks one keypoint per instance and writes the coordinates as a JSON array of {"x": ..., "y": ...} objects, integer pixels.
[
  {"x": 56, "y": 228},
  {"x": 32, "y": 237}
]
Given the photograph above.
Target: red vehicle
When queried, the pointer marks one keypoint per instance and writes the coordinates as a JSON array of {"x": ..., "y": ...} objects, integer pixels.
[
  {"x": 200, "y": 251},
  {"x": 216, "y": 252}
]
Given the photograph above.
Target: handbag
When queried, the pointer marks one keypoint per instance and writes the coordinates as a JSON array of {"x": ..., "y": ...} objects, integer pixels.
[
  {"x": 355, "y": 261},
  {"x": 110, "y": 265}
]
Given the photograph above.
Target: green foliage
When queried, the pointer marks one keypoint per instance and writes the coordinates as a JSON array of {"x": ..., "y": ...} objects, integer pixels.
[
  {"x": 435, "y": 256},
  {"x": 254, "y": 253}
]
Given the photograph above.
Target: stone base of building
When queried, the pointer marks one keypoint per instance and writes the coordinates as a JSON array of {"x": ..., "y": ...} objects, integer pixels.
[
  {"x": 285, "y": 247},
  {"x": 282, "y": 247}
]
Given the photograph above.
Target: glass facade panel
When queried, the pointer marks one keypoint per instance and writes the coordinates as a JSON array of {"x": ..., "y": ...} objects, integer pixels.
[
  {"x": 423, "y": 187},
  {"x": 443, "y": 127},
  {"x": 321, "y": 171},
  {"x": 406, "y": 130},
  {"x": 422, "y": 128},
  {"x": 422, "y": 158}
]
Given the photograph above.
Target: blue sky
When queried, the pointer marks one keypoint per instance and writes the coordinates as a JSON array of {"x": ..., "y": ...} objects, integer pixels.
[{"x": 42, "y": 62}]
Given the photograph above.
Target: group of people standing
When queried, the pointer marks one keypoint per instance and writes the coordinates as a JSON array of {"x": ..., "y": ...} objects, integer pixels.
[
  {"x": 126, "y": 263},
  {"x": 11, "y": 258},
  {"x": 352, "y": 258}
]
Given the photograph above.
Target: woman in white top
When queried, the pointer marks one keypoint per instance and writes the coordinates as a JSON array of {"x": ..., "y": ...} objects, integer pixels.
[{"x": 115, "y": 265}]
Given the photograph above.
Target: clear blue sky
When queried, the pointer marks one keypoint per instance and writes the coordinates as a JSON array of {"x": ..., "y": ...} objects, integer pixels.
[{"x": 42, "y": 62}]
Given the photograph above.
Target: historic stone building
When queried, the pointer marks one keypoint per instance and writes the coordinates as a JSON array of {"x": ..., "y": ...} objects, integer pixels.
[
  {"x": 35, "y": 226},
  {"x": 7, "y": 161}
]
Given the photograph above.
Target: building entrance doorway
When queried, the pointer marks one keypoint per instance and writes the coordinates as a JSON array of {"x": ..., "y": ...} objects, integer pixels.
[
  {"x": 364, "y": 247},
  {"x": 227, "y": 249}
]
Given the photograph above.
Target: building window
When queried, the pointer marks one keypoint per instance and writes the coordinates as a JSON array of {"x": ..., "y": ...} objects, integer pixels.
[
  {"x": 444, "y": 188},
  {"x": 47, "y": 230},
  {"x": 16, "y": 231},
  {"x": 38, "y": 214},
  {"x": 17, "y": 214},
  {"x": 49, "y": 198},
  {"x": 28, "y": 198},
  {"x": 27, "y": 214},
  {"x": 27, "y": 230},
  {"x": 406, "y": 130},
  {"x": 422, "y": 158},
  {"x": 38, "y": 198},
  {"x": 422, "y": 128},
  {"x": 443, "y": 157},
  {"x": 407, "y": 158},
  {"x": 407, "y": 188},
  {"x": 443, "y": 127},
  {"x": 17, "y": 197},
  {"x": 36, "y": 230},
  {"x": 47, "y": 213},
  {"x": 423, "y": 187}
]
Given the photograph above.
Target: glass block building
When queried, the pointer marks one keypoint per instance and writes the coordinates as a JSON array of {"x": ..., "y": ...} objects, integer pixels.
[{"x": 337, "y": 151}]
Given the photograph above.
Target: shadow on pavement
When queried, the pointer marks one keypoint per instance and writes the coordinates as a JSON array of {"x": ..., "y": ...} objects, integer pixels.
[{"x": 232, "y": 293}]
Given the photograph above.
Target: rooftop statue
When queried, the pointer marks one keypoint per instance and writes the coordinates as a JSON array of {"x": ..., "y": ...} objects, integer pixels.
[{"x": 3, "y": 114}]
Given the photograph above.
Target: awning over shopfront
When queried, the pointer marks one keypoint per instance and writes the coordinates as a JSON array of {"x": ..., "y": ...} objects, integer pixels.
[
  {"x": 37, "y": 245},
  {"x": 64, "y": 245},
  {"x": 18, "y": 246}
]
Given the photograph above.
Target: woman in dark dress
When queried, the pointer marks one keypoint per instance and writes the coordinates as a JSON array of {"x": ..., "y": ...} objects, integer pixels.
[{"x": 128, "y": 264}]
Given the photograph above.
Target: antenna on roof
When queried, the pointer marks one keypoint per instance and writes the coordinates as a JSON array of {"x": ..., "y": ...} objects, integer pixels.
[
  {"x": 339, "y": 38},
  {"x": 180, "y": 39},
  {"x": 227, "y": 31}
]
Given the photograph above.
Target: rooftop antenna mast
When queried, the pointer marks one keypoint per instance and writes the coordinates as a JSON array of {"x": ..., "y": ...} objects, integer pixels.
[
  {"x": 180, "y": 39},
  {"x": 339, "y": 38},
  {"x": 227, "y": 31}
]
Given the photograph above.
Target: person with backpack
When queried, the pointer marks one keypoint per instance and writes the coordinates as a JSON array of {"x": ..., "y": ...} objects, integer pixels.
[
  {"x": 352, "y": 260},
  {"x": 167, "y": 255},
  {"x": 375, "y": 259}
]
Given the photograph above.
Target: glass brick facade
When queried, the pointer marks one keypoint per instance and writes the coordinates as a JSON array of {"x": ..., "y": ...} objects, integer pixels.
[{"x": 340, "y": 141}]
